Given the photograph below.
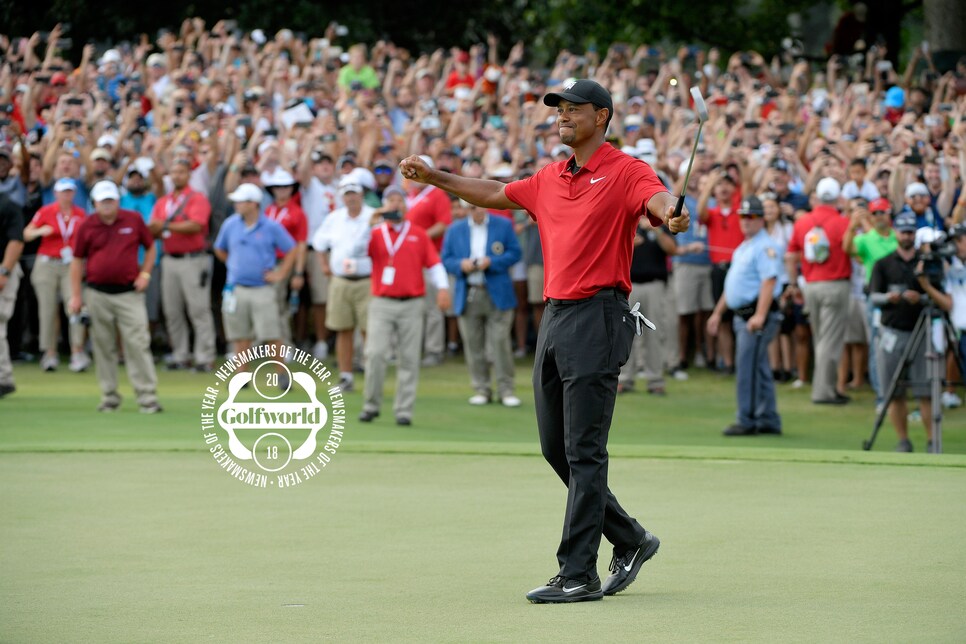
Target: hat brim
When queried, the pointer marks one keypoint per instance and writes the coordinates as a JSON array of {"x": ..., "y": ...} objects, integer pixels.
[{"x": 553, "y": 99}]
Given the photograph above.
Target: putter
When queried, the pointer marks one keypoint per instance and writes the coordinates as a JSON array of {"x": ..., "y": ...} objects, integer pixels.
[{"x": 702, "y": 111}]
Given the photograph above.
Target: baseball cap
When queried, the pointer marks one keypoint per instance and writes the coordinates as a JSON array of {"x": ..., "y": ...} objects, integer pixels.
[
  {"x": 463, "y": 57},
  {"x": 104, "y": 190},
  {"x": 107, "y": 140},
  {"x": 64, "y": 184},
  {"x": 880, "y": 205},
  {"x": 279, "y": 178},
  {"x": 246, "y": 192},
  {"x": 894, "y": 97},
  {"x": 348, "y": 185},
  {"x": 110, "y": 56},
  {"x": 751, "y": 206},
  {"x": 157, "y": 60},
  {"x": 101, "y": 153},
  {"x": 58, "y": 78},
  {"x": 635, "y": 100},
  {"x": 647, "y": 151},
  {"x": 582, "y": 91},
  {"x": 916, "y": 189},
  {"x": 828, "y": 189},
  {"x": 905, "y": 222},
  {"x": 633, "y": 121},
  {"x": 393, "y": 190}
]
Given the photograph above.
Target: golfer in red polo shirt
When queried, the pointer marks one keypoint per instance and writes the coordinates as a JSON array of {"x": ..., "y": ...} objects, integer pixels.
[{"x": 586, "y": 209}]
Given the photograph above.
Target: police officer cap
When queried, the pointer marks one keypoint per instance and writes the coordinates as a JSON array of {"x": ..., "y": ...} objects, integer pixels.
[{"x": 752, "y": 206}]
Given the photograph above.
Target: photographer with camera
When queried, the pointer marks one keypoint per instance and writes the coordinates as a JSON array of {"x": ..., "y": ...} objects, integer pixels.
[
  {"x": 953, "y": 300},
  {"x": 897, "y": 291}
]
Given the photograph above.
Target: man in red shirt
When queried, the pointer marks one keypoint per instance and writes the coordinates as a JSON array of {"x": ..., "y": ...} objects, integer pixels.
[
  {"x": 106, "y": 248},
  {"x": 180, "y": 220},
  {"x": 286, "y": 211},
  {"x": 724, "y": 236},
  {"x": 400, "y": 252},
  {"x": 430, "y": 208},
  {"x": 586, "y": 209},
  {"x": 56, "y": 225},
  {"x": 816, "y": 244}
]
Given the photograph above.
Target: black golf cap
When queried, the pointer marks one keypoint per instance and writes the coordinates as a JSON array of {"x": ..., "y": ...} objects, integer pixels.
[
  {"x": 582, "y": 91},
  {"x": 752, "y": 206}
]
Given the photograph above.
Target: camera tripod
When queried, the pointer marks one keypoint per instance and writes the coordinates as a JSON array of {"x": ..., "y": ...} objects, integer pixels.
[{"x": 930, "y": 318}]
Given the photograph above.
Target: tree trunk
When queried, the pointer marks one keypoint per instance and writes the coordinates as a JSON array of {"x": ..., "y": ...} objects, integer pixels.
[{"x": 946, "y": 29}]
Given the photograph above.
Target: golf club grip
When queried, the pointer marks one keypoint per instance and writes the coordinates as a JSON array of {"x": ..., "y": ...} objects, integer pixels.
[{"x": 678, "y": 208}]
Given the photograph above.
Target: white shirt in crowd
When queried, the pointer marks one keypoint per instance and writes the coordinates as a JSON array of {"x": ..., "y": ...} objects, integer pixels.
[
  {"x": 346, "y": 239},
  {"x": 868, "y": 191},
  {"x": 478, "y": 234},
  {"x": 955, "y": 286},
  {"x": 318, "y": 200}
]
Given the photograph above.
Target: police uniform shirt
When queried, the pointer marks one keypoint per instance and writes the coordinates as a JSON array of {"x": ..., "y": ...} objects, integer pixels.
[{"x": 754, "y": 261}]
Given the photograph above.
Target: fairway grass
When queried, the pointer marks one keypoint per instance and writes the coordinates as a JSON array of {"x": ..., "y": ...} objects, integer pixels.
[
  {"x": 166, "y": 548},
  {"x": 120, "y": 528}
]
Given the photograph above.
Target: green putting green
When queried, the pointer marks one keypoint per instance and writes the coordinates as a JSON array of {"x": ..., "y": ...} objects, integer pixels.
[{"x": 120, "y": 527}]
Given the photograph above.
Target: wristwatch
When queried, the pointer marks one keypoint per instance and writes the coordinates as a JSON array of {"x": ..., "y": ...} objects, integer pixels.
[{"x": 4, "y": 271}]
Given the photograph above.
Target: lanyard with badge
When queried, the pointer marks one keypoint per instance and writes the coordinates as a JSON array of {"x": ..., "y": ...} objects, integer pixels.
[
  {"x": 389, "y": 272},
  {"x": 66, "y": 232},
  {"x": 277, "y": 214},
  {"x": 173, "y": 209},
  {"x": 422, "y": 195}
]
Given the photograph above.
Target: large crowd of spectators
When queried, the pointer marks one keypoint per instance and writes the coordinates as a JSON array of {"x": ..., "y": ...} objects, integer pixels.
[{"x": 234, "y": 108}]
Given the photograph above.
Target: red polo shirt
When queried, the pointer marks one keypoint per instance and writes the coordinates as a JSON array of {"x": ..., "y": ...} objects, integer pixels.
[
  {"x": 724, "y": 231},
  {"x": 293, "y": 220},
  {"x": 112, "y": 250},
  {"x": 413, "y": 255},
  {"x": 193, "y": 206},
  {"x": 587, "y": 220},
  {"x": 427, "y": 207},
  {"x": 838, "y": 266},
  {"x": 65, "y": 228}
]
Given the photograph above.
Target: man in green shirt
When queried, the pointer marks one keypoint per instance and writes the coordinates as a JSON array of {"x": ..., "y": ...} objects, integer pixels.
[
  {"x": 878, "y": 240},
  {"x": 358, "y": 70}
]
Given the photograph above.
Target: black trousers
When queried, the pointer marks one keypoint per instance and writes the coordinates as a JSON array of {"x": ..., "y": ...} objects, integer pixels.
[{"x": 580, "y": 350}]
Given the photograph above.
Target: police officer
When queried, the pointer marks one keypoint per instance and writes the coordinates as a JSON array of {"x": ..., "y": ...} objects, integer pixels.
[{"x": 750, "y": 289}]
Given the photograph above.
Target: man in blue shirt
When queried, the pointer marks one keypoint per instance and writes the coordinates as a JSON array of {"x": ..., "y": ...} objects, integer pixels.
[
  {"x": 479, "y": 251},
  {"x": 692, "y": 292},
  {"x": 750, "y": 290},
  {"x": 246, "y": 244}
]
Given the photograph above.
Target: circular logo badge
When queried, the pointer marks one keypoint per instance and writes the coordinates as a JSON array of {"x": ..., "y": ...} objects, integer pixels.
[{"x": 274, "y": 416}]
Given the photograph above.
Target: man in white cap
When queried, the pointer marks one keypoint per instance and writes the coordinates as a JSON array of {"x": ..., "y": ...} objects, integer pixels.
[
  {"x": 342, "y": 243},
  {"x": 106, "y": 258},
  {"x": 180, "y": 220},
  {"x": 56, "y": 226},
  {"x": 826, "y": 269},
  {"x": 247, "y": 243},
  {"x": 287, "y": 212},
  {"x": 918, "y": 202}
]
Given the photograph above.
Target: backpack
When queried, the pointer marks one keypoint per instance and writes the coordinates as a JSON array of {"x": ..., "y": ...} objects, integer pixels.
[{"x": 816, "y": 245}]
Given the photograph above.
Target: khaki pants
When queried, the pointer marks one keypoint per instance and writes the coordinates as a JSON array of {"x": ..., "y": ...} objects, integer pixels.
[
  {"x": 402, "y": 319},
  {"x": 483, "y": 327},
  {"x": 827, "y": 304},
  {"x": 186, "y": 295},
  {"x": 647, "y": 352},
  {"x": 122, "y": 314},
  {"x": 8, "y": 300},
  {"x": 51, "y": 279},
  {"x": 434, "y": 340}
]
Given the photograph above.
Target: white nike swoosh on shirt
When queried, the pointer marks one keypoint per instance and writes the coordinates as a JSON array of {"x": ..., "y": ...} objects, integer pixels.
[
  {"x": 570, "y": 590},
  {"x": 628, "y": 567},
  {"x": 596, "y": 179}
]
